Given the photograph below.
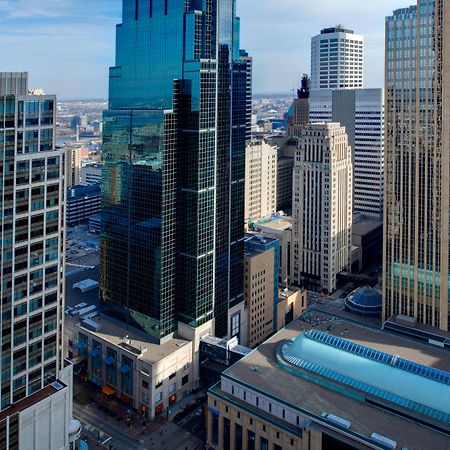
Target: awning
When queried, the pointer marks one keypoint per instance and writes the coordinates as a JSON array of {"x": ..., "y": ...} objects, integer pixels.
[
  {"x": 108, "y": 390},
  {"x": 81, "y": 345},
  {"x": 94, "y": 352},
  {"x": 125, "y": 369},
  {"x": 110, "y": 360}
]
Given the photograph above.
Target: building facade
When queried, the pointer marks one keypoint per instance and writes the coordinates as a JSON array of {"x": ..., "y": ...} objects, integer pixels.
[
  {"x": 35, "y": 376},
  {"x": 416, "y": 220},
  {"x": 172, "y": 240},
  {"x": 261, "y": 287},
  {"x": 361, "y": 112},
  {"x": 82, "y": 202},
  {"x": 324, "y": 383},
  {"x": 91, "y": 174},
  {"x": 322, "y": 213},
  {"x": 261, "y": 160},
  {"x": 337, "y": 59}
]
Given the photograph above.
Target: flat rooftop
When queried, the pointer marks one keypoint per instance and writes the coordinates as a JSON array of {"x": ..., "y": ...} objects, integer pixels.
[
  {"x": 366, "y": 226},
  {"x": 314, "y": 399},
  {"x": 276, "y": 223},
  {"x": 114, "y": 334}
]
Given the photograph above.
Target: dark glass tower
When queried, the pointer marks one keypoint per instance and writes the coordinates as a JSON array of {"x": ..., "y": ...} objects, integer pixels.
[{"x": 173, "y": 180}]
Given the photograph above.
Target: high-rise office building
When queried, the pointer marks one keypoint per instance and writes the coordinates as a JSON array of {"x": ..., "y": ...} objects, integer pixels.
[
  {"x": 337, "y": 59},
  {"x": 298, "y": 115},
  {"x": 172, "y": 239},
  {"x": 36, "y": 390},
  {"x": 260, "y": 180},
  {"x": 417, "y": 196},
  {"x": 322, "y": 206},
  {"x": 361, "y": 112}
]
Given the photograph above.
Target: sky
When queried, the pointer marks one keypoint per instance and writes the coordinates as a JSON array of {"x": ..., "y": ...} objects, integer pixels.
[{"x": 68, "y": 45}]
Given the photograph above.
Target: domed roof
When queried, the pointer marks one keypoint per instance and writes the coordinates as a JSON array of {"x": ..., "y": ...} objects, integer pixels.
[
  {"x": 329, "y": 354},
  {"x": 364, "y": 300}
]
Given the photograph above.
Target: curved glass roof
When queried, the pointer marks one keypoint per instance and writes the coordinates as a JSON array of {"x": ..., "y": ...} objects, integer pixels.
[{"x": 404, "y": 382}]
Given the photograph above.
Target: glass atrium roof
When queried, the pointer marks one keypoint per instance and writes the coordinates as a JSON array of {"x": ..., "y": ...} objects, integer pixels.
[{"x": 414, "y": 386}]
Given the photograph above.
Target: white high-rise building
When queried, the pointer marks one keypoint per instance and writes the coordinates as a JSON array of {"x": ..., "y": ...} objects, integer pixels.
[
  {"x": 260, "y": 180},
  {"x": 36, "y": 393},
  {"x": 337, "y": 59},
  {"x": 322, "y": 206},
  {"x": 361, "y": 111}
]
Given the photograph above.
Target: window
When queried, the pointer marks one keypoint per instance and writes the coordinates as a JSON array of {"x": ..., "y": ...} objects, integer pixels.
[
  {"x": 172, "y": 376},
  {"x": 264, "y": 444},
  {"x": 215, "y": 431},
  {"x": 251, "y": 439},
  {"x": 172, "y": 388},
  {"x": 238, "y": 437},
  {"x": 277, "y": 447},
  {"x": 145, "y": 384},
  {"x": 158, "y": 398},
  {"x": 185, "y": 380}
]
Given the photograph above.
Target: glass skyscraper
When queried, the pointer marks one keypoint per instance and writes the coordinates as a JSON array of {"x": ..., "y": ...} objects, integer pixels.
[
  {"x": 416, "y": 245},
  {"x": 174, "y": 161}
]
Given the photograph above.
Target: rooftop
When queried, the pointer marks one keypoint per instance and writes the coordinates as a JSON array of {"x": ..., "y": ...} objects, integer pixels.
[
  {"x": 313, "y": 398},
  {"x": 366, "y": 226},
  {"x": 276, "y": 223},
  {"x": 134, "y": 343}
]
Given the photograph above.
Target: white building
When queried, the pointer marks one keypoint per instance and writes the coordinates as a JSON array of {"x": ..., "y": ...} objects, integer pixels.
[
  {"x": 322, "y": 211},
  {"x": 361, "y": 111},
  {"x": 337, "y": 59},
  {"x": 260, "y": 180},
  {"x": 36, "y": 405},
  {"x": 91, "y": 174}
]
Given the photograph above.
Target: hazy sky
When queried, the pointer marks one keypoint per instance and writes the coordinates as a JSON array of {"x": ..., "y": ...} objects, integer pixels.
[{"x": 68, "y": 45}]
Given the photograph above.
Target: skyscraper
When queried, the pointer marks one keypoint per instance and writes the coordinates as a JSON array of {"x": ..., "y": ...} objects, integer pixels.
[
  {"x": 36, "y": 393},
  {"x": 416, "y": 218},
  {"x": 322, "y": 206},
  {"x": 172, "y": 239},
  {"x": 337, "y": 59},
  {"x": 298, "y": 115},
  {"x": 361, "y": 111}
]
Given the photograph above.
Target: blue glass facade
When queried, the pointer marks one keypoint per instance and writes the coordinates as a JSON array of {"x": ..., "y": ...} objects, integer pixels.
[{"x": 173, "y": 178}]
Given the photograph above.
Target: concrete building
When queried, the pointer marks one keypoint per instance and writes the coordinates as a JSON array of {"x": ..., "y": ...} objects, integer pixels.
[
  {"x": 292, "y": 303},
  {"x": 337, "y": 59},
  {"x": 280, "y": 228},
  {"x": 83, "y": 201},
  {"x": 261, "y": 287},
  {"x": 367, "y": 235},
  {"x": 75, "y": 155},
  {"x": 298, "y": 115},
  {"x": 260, "y": 180},
  {"x": 322, "y": 213},
  {"x": 361, "y": 112},
  {"x": 36, "y": 394},
  {"x": 326, "y": 382},
  {"x": 417, "y": 188},
  {"x": 91, "y": 174},
  {"x": 124, "y": 365},
  {"x": 285, "y": 170}
]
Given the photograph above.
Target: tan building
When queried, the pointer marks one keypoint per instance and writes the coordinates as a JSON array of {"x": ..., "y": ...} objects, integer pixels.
[
  {"x": 280, "y": 228},
  {"x": 417, "y": 164},
  {"x": 260, "y": 180},
  {"x": 327, "y": 383},
  {"x": 260, "y": 287},
  {"x": 75, "y": 154},
  {"x": 148, "y": 377},
  {"x": 292, "y": 303},
  {"x": 322, "y": 211}
]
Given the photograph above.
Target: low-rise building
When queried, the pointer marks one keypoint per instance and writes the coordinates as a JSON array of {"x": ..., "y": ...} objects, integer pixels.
[
  {"x": 146, "y": 376},
  {"x": 292, "y": 303},
  {"x": 91, "y": 174},
  {"x": 82, "y": 202},
  {"x": 326, "y": 382}
]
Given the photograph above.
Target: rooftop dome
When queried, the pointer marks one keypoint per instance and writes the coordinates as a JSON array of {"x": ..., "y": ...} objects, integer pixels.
[{"x": 364, "y": 301}]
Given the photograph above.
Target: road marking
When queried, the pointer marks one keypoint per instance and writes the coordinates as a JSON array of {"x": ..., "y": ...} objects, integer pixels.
[{"x": 106, "y": 440}]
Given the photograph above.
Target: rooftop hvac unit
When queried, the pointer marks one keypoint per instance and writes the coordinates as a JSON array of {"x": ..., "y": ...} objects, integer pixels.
[
  {"x": 384, "y": 441},
  {"x": 336, "y": 420}
]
